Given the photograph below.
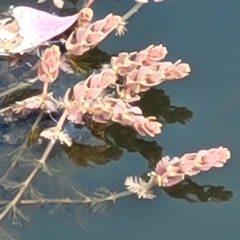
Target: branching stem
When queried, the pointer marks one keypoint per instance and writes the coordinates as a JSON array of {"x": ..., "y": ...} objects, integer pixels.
[
  {"x": 39, "y": 165},
  {"x": 23, "y": 147}
]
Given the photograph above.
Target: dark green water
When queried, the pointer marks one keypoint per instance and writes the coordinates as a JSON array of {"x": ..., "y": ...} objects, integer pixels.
[{"x": 205, "y": 34}]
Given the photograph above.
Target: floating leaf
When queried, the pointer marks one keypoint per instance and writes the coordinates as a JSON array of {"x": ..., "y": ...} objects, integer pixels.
[{"x": 43, "y": 26}]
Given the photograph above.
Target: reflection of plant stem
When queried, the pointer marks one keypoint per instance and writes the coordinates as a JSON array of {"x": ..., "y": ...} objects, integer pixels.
[
  {"x": 23, "y": 147},
  {"x": 33, "y": 68},
  {"x": 21, "y": 85},
  {"x": 41, "y": 164}
]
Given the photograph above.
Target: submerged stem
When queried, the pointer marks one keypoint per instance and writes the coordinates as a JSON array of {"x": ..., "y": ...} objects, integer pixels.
[
  {"x": 26, "y": 183},
  {"x": 19, "y": 86},
  {"x": 23, "y": 147},
  {"x": 41, "y": 163}
]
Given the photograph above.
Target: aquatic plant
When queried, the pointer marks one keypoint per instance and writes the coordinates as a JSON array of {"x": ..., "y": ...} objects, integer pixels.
[{"x": 109, "y": 95}]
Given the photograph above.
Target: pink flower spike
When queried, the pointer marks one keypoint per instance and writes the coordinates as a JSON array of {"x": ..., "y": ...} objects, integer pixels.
[
  {"x": 148, "y": 126},
  {"x": 75, "y": 112},
  {"x": 49, "y": 104},
  {"x": 83, "y": 39},
  {"x": 169, "y": 172},
  {"x": 206, "y": 159},
  {"x": 49, "y": 65},
  {"x": 122, "y": 64},
  {"x": 178, "y": 70},
  {"x": 85, "y": 17},
  {"x": 101, "y": 80},
  {"x": 151, "y": 55},
  {"x": 76, "y": 43},
  {"x": 79, "y": 91}
]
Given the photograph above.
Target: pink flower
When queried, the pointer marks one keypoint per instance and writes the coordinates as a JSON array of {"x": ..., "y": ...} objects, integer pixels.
[
  {"x": 77, "y": 44},
  {"x": 169, "y": 172},
  {"x": 101, "y": 111},
  {"x": 177, "y": 70},
  {"x": 206, "y": 159},
  {"x": 122, "y": 64},
  {"x": 85, "y": 17},
  {"x": 94, "y": 85},
  {"x": 49, "y": 66},
  {"x": 85, "y": 38},
  {"x": 147, "y": 126},
  {"x": 49, "y": 104},
  {"x": 101, "y": 80},
  {"x": 75, "y": 112},
  {"x": 142, "y": 79},
  {"x": 151, "y": 55},
  {"x": 145, "y": 69}
]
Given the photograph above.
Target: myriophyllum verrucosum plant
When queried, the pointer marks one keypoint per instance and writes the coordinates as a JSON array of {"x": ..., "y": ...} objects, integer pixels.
[
  {"x": 87, "y": 35},
  {"x": 145, "y": 69},
  {"x": 169, "y": 172},
  {"x": 94, "y": 99},
  {"x": 107, "y": 95},
  {"x": 49, "y": 66},
  {"x": 48, "y": 71}
]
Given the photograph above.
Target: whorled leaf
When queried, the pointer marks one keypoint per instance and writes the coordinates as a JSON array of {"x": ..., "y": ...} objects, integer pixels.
[{"x": 138, "y": 186}]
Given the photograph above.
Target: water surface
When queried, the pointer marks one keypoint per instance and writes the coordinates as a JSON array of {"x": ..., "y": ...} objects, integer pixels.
[{"x": 206, "y": 35}]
